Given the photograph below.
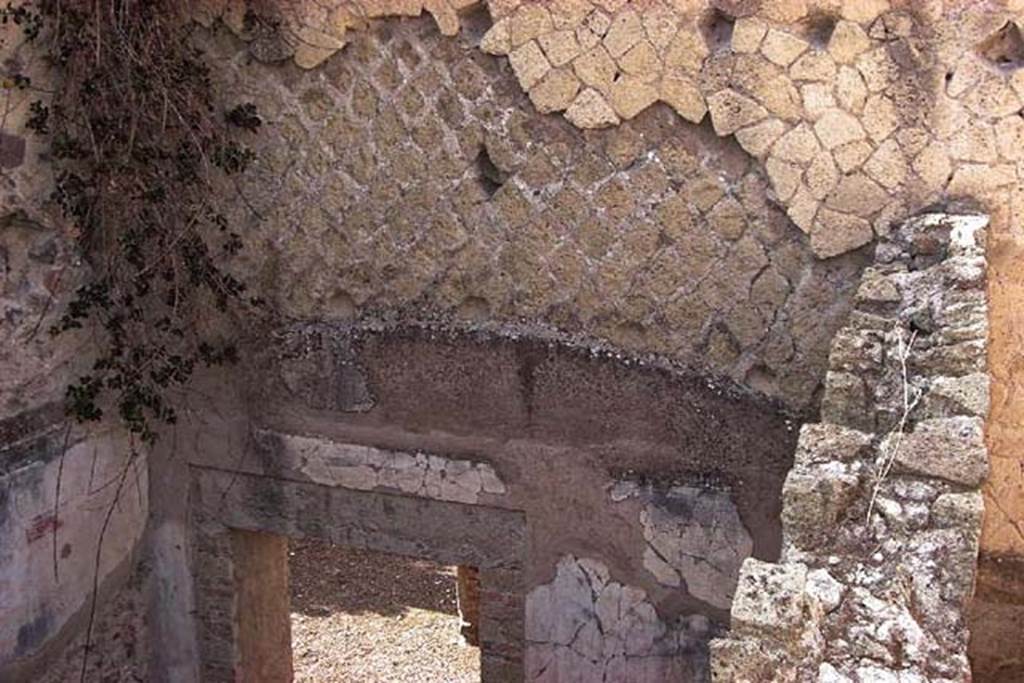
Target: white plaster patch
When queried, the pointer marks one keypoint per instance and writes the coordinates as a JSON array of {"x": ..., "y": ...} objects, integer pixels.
[
  {"x": 366, "y": 468},
  {"x": 693, "y": 536},
  {"x": 585, "y": 627}
]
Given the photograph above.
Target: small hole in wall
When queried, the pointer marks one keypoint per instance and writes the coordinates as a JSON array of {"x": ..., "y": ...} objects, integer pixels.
[
  {"x": 717, "y": 29},
  {"x": 491, "y": 177},
  {"x": 1004, "y": 48},
  {"x": 818, "y": 29}
]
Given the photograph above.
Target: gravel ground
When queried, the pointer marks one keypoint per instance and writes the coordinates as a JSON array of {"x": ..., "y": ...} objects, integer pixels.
[{"x": 364, "y": 617}]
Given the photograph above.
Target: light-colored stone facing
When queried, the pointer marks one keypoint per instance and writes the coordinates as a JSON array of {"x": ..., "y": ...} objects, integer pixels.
[
  {"x": 365, "y": 468},
  {"x": 627, "y": 56},
  {"x": 695, "y": 539},
  {"x": 584, "y": 626}
]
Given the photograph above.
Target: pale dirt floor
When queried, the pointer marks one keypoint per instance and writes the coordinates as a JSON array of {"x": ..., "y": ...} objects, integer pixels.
[{"x": 362, "y": 617}]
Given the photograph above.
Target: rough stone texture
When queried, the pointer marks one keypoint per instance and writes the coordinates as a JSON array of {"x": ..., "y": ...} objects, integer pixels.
[
  {"x": 411, "y": 177},
  {"x": 882, "y": 507},
  {"x": 585, "y": 626},
  {"x": 365, "y": 468},
  {"x": 694, "y": 539}
]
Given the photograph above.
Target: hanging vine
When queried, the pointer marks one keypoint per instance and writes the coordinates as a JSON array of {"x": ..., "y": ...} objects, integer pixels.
[{"x": 141, "y": 155}]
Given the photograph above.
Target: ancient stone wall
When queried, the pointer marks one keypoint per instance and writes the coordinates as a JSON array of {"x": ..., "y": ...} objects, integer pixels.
[
  {"x": 572, "y": 214},
  {"x": 410, "y": 177},
  {"x": 882, "y": 510}
]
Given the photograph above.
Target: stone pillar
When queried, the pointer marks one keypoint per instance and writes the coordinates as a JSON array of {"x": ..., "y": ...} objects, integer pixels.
[
  {"x": 263, "y": 605},
  {"x": 467, "y": 590}
]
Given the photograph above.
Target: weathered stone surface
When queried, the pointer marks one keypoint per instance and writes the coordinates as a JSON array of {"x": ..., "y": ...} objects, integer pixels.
[
  {"x": 366, "y": 469},
  {"x": 584, "y": 626},
  {"x": 836, "y": 233},
  {"x": 949, "y": 448},
  {"x": 784, "y": 613},
  {"x": 591, "y": 110},
  {"x": 837, "y": 127},
  {"x": 695, "y": 536},
  {"x": 731, "y": 111}
]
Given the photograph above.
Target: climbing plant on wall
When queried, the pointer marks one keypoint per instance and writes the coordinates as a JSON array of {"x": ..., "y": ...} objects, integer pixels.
[{"x": 142, "y": 156}]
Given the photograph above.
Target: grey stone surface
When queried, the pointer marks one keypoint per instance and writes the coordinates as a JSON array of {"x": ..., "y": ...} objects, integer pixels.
[
  {"x": 948, "y": 448},
  {"x": 882, "y": 512}
]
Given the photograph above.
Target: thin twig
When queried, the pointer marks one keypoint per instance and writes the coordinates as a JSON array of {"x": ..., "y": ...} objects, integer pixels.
[{"x": 895, "y": 436}]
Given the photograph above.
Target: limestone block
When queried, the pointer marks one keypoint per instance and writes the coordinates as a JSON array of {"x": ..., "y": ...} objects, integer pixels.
[
  {"x": 797, "y": 146},
  {"x": 626, "y": 30},
  {"x": 836, "y": 233},
  {"x": 630, "y": 95},
  {"x": 826, "y": 442},
  {"x": 591, "y": 110},
  {"x": 497, "y": 40},
  {"x": 560, "y": 47},
  {"x": 817, "y": 98},
  {"x": 747, "y": 34},
  {"x": 757, "y": 139},
  {"x": 556, "y": 91},
  {"x": 888, "y": 165},
  {"x": 687, "y": 52},
  {"x": 813, "y": 66},
  {"x": 821, "y": 586},
  {"x": 731, "y": 111},
  {"x": 529, "y": 64},
  {"x": 822, "y": 176},
  {"x": 837, "y": 127},
  {"x": 596, "y": 68},
  {"x": 780, "y": 617},
  {"x": 950, "y": 448},
  {"x": 782, "y": 48},
  {"x": 814, "y": 502},
  {"x": 847, "y": 42},
  {"x": 683, "y": 96},
  {"x": 958, "y": 510},
  {"x": 846, "y": 401},
  {"x": 530, "y": 22},
  {"x": 850, "y": 90},
  {"x": 857, "y": 194},
  {"x": 967, "y": 395},
  {"x": 877, "y": 288}
]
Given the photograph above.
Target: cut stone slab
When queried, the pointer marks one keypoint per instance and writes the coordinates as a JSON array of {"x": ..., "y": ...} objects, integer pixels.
[{"x": 946, "y": 448}]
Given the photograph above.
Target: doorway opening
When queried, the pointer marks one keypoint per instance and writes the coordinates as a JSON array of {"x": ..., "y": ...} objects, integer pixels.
[{"x": 359, "y": 615}]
